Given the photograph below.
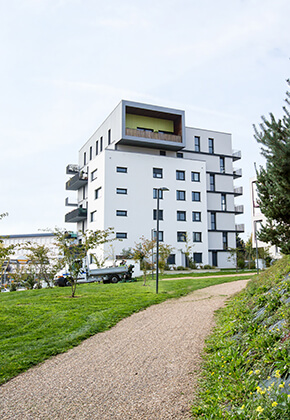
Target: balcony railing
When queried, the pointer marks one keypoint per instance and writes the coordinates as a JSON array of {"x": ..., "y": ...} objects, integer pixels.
[
  {"x": 237, "y": 173},
  {"x": 237, "y": 154},
  {"x": 67, "y": 203},
  {"x": 238, "y": 191},
  {"x": 77, "y": 215},
  {"x": 239, "y": 209},
  {"x": 72, "y": 169},
  {"x": 240, "y": 228},
  {"x": 153, "y": 135},
  {"x": 77, "y": 181}
]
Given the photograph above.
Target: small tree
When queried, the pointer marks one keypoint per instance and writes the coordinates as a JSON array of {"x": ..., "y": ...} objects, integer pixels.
[
  {"x": 73, "y": 251},
  {"x": 187, "y": 250},
  {"x": 164, "y": 252},
  {"x": 41, "y": 263},
  {"x": 273, "y": 182},
  {"x": 142, "y": 252}
]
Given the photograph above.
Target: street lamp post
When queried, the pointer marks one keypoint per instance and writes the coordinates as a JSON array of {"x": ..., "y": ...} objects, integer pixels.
[{"x": 157, "y": 235}]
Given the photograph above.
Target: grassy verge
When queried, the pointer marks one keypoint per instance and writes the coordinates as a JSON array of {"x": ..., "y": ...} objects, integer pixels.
[
  {"x": 36, "y": 324},
  {"x": 222, "y": 272},
  {"x": 246, "y": 372}
]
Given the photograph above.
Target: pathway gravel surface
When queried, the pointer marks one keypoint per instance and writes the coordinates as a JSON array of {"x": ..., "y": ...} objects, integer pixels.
[{"x": 144, "y": 368}]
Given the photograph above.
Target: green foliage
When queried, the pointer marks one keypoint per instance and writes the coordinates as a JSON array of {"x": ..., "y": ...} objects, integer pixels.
[
  {"x": 37, "y": 324},
  {"x": 273, "y": 182},
  {"x": 73, "y": 251},
  {"x": 142, "y": 252},
  {"x": 164, "y": 252},
  {"x": 247, "y": 357}
]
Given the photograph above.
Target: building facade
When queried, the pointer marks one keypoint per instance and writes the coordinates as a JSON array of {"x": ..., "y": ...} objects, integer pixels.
[{"x": 141, "y": 148}]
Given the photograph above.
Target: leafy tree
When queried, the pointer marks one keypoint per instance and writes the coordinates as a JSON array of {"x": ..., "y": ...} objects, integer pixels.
[
  {"x": 42, "y": 265},
  {"x": 73, "y": 251},
  {"x": 273, "y": 181},
  {"x": 142, "y": 252},
  {"x": 164, "y": 252},
  {"x": 187, "y": 250}
]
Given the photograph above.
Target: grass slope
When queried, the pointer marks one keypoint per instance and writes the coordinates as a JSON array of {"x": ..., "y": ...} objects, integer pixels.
[
  {"x": 247, "y": 359},
  {"x": 37, "y": 324}
]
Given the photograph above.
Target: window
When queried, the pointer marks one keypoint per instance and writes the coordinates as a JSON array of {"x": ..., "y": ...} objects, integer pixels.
[
  {"x": 195, "y": 196},
  {"x": 214, "y": 258},
  {"x": 121, "y": 169},
  {"x": 180, "y": 175},
  {"x": 101, "y": 144},
  {"x": 109, "y": 136},
  {"x": 171, "y": 259},
  {"x": 181, "y": 216},
  {"x": 196, "y": 144},
  {"x": 211, "y": 182},
  {"x": 181, "y": 236},
  {"x": 160, "y": 235},
  {"x": 223, "y": 202},
  {"x": 155, "y": 214},
  {"x": 213, "y": 221},
  {"x": 98, "y": 193},
  {"x": 155, "y": 194},
  {"x": 97, "y": 148},
  {"x": 121, "y": 190},
  {"x": 162, "y": 153},
  {"x": 196, "y": 236},
  {"x": 225, "y": 240},
  {"x": 121, "y": 235},
  {"x": 84, "y": 192},
  {"x": 157, "y": 173},
  {"x": 180, "y": 195},
  {"x": 179, "y": 155},
  {"x": 121, "y": 212},
  {"x": 94, "y": 175},
  {"x": 85, "y": 158},
  {"x": 91, "y": 153},
  {"x": 93, "y": 216},
  {"x": 195, "y": 176},
  {"x": 222, "y": 165},
  {"x": 196, "y": 216},
  {"x": 210, "y": 146},
  {"x": 197, "y": 257}
]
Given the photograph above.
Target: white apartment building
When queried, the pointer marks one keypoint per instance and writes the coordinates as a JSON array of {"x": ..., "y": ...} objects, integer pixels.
[{"x": 140, "y": 148}]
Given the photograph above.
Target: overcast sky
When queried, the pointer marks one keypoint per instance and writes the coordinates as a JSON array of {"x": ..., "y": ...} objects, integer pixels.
[{"x": 65, "y": 64}]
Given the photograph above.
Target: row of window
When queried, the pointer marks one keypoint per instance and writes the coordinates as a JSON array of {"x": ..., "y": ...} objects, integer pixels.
[
  {"x": 98, "y": 147},
  {"x": 197, "y": 258},
  {"x": 181, "y": 237},
  {"x": 180, "y": 175},
  {"x": 197, "y": 145},
  {"x": 181, "y": 215}
]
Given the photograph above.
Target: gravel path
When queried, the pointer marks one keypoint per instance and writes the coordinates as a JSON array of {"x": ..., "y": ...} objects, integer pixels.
[{"x": 146, "y": 367}]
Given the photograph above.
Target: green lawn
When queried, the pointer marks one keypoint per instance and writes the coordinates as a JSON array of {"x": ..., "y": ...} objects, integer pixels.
[{"x": 36, "y": 324}]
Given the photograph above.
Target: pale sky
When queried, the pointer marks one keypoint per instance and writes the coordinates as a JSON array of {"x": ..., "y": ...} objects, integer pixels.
[{"x": 65, "y": 64}]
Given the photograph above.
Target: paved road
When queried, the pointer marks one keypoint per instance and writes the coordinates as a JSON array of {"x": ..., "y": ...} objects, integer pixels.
[{"x": 145, "y": 368}]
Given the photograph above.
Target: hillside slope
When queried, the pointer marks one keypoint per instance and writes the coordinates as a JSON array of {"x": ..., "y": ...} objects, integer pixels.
[{"x": 247, "y": 359}]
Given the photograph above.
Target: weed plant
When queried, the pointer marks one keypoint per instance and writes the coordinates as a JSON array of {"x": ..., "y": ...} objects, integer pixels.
[{"x": 246, "y": 371}]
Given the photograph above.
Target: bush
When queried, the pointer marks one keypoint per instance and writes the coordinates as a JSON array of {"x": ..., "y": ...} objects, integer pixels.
[
  {"x": 207, "y": 266},
  {"x": 241, "y": 263},
  {"x": 180, "y": 268}
]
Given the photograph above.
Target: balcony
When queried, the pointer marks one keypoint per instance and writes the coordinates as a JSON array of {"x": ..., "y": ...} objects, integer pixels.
[
  {"x": 148, "y": 134},
  {"x": 67, "y": 203},
  {"x": 77, "y": 215},
  {"x": 239, "y": 209},
  {"x": 238, "y": 191},
  {"x": 240, "y": 228},
  {"x": 237, "y": 154},
  {"x": 72, "y": 169},
  {"x": 78, "y": 181},
  {"x": 237, "y": 173}
]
